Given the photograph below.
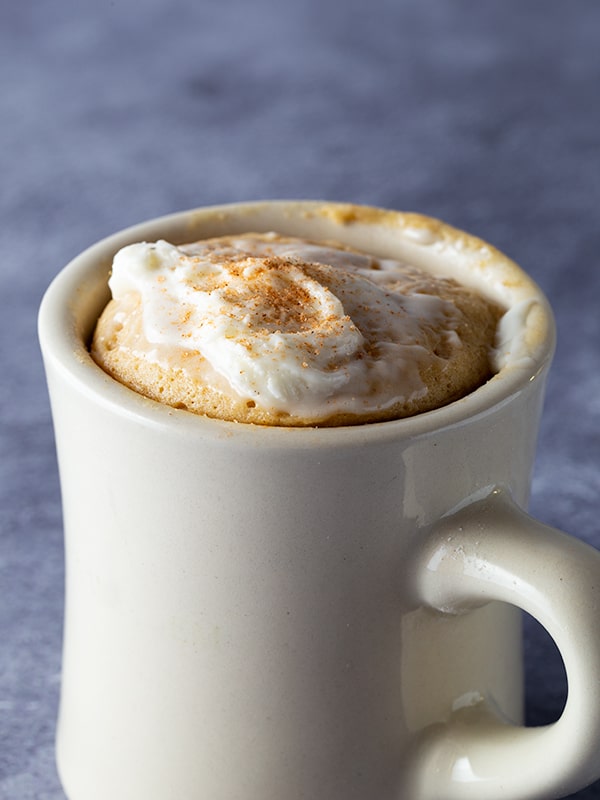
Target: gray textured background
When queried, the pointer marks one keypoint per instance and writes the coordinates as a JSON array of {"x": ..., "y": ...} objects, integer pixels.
[{"x": 484, "y": 114}]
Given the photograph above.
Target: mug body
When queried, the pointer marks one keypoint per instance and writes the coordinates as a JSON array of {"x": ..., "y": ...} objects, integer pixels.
[{"x": 241, "y": 619}]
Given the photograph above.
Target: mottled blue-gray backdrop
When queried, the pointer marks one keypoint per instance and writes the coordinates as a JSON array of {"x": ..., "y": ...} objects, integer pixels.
[{"x": 112, "y": 111}]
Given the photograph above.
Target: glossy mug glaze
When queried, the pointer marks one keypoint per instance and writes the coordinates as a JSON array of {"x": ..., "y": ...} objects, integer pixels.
[{"x": 264, "y": 613}]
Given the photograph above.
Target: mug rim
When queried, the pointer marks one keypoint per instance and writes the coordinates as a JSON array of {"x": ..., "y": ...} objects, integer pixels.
[{"x": 75, "y": 297}]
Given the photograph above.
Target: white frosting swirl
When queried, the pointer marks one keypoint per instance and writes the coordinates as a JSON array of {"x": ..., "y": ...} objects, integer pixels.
[{"x": 283, "y": 321}]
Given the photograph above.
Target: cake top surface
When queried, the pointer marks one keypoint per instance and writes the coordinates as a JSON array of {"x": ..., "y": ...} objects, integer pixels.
[{"x": 297, "y": 328}]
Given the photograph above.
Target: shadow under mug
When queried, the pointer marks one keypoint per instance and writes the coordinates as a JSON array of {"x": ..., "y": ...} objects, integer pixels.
[{"x": 268, "y": 613}]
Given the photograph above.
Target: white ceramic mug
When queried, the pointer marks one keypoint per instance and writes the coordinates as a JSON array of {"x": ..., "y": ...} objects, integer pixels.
[{"x": 328, "y": 614}]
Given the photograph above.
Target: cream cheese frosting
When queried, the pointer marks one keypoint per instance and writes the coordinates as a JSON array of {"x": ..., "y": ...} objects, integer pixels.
[{"x": 289, "y": 326}]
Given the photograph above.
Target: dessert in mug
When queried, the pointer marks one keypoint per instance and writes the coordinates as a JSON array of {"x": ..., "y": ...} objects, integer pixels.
[{"x": 270, "y": 329}]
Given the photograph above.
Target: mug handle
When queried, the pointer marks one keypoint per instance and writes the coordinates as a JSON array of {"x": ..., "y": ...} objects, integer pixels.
[{"x": 492, "y": 550}]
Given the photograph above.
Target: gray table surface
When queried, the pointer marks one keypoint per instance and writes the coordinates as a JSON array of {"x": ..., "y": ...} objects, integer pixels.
[{"x": 484, "y": 114}]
